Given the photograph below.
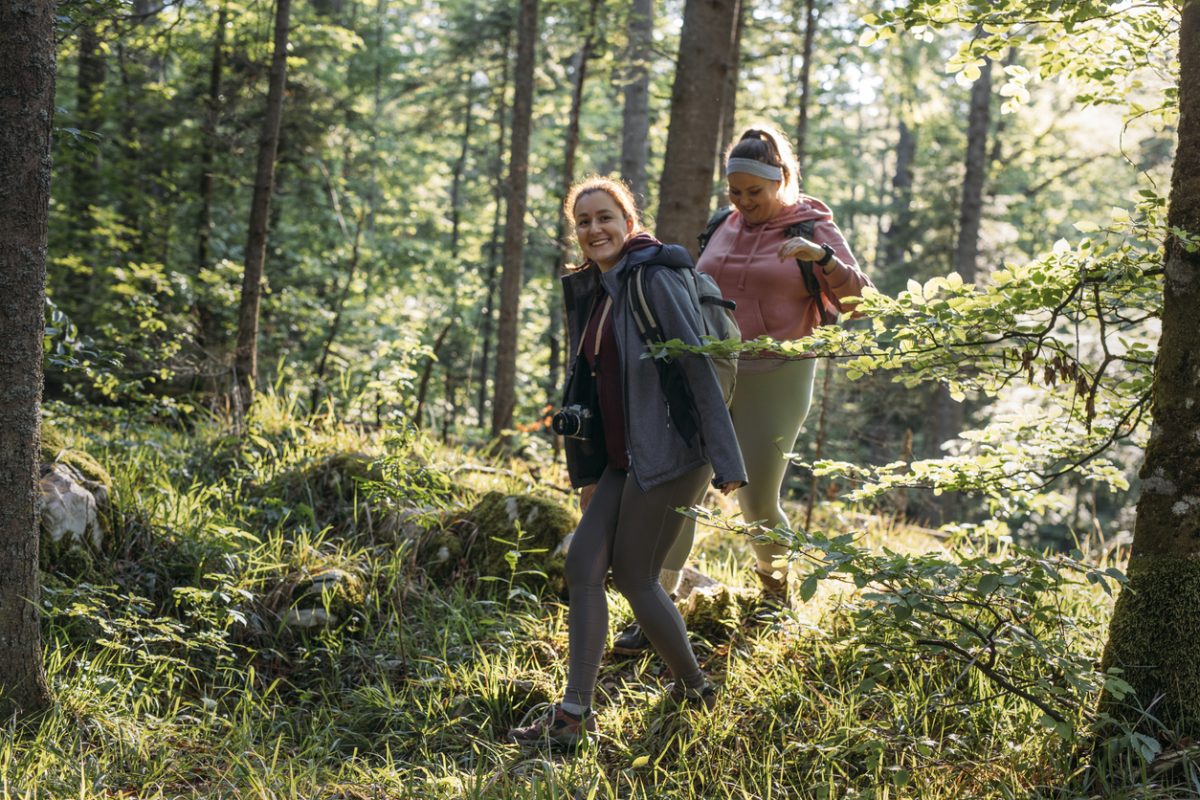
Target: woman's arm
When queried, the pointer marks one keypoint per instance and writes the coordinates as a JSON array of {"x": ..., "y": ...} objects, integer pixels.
[{"x": 678, "y": 318}]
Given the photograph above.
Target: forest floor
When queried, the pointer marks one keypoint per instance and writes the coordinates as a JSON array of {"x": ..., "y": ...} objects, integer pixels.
[{"x": 176, "y": 674}]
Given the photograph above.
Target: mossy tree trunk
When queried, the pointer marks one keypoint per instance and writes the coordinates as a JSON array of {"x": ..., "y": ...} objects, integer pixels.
[
  {"x": 1155, "y": 631},
  {"x": 26, "y": 110}
]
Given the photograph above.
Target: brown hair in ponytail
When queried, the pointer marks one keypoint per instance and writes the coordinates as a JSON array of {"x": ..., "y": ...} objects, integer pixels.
[{"x": 766, "y": 144}]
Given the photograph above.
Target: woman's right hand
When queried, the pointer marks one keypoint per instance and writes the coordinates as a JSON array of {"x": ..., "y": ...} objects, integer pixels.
[{"x": 585, "y": 496}]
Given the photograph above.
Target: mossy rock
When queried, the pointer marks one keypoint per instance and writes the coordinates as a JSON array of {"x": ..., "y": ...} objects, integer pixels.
[
  {"x": 55, "y": 449},
  {"x": 328, "y": 490},
  {"x": 518, "y": 537},
  {"x": 326, "y": 598}
]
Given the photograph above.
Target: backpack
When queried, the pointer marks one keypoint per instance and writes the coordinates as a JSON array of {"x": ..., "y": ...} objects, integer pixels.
[
  {"x": 716, "y": 321},
  {"x": 826, "y": 305}
]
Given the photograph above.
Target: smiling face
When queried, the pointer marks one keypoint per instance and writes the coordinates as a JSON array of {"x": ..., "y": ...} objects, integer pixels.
[
  {"x": 601, "y": 228},
  {"x": 756, "y": 198}
]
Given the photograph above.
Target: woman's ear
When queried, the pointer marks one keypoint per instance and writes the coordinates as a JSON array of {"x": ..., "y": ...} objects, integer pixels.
[{"x": 628, "y": 225}]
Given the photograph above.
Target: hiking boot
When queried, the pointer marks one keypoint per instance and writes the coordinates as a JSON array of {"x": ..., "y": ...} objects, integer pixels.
[
  {"x": 555, "y": 729},
  {"x": 631, "y": 641},
  {"x": 703, "y": 698},
  {"x": 774, "y": 589}
]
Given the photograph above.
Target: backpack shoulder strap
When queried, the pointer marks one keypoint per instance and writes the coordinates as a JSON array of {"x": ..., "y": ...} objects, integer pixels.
[
  {"x": 639, "y": 305},
  {"x": 806, "y": 228},
  {"x": 714, "y": 222}
]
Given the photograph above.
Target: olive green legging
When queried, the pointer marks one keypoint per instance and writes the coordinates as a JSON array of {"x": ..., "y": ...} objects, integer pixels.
[{"x": 768, "y": 410}]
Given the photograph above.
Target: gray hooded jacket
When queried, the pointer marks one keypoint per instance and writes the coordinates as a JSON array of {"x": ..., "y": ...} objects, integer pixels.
[{"x": 657, "y": 452}]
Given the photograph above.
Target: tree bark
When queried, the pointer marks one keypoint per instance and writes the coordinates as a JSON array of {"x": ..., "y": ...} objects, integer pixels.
[
  {"x": 1155, "y": 632},
  {"x": 504, "y": 401},
  {"x": 635, "y": 130},
  {"x": 494, "y": 241},
  {"x": 208, "y": 139},
  {"x": 898, "y": 236},
  {"x": 729, "y": 93},
  {"x": 26, "y": 111},
  {"x": 949, "y": 415},
  {"x": 570, "y": 145},
  {"x": 705, "y": 58},
  {"x": 246, "y": 354},
  {"x": 460, "y": 166},
  {"x": 810, "y": 32},
  {"x": 209, "y": 333}
]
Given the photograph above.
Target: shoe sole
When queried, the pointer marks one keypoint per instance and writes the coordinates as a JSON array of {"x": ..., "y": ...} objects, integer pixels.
[{"x": 629, "y": 651}]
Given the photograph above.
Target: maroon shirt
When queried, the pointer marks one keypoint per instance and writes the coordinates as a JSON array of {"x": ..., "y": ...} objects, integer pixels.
[{"x": 606, "y": 367}]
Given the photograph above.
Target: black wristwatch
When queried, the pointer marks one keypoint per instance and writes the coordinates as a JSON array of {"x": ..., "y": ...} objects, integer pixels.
[{"x": 825, "y": 259}]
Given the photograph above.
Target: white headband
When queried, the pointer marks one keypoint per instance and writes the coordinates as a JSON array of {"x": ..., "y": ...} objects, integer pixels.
[{"x": 754, "y": 167}]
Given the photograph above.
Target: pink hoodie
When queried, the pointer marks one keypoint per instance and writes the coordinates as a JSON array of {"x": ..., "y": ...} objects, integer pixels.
[{"x": 770, "y": 293}]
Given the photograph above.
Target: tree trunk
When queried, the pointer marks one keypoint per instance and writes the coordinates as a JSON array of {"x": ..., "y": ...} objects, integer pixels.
[
  {"x": 729, "y": 93},
  {"x": 635, "y": 130},
  {"x": 898, "y": 236},
  {"x": 208, "y": 139},
  {"x": 26, "y": 112},
  {"x": 570, "y": 145},
  {"x": 705, "y": 58},
  {"x": 810, "y": 31},
  {"x": 460, "y": 166},
  {"x": 85, "y": 170},
  {"x": 949, "y": 415},
  {"x": 246, "y": 356},
  {"x": 494, "y": 241},
  {"x": 1155, "y": 632},
  {"x": 209, "y": 334},
  {"x": 504, "y": 401}
]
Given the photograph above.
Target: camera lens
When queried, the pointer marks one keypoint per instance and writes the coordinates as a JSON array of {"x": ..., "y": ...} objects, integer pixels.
[{"x": 565, "y": 423}]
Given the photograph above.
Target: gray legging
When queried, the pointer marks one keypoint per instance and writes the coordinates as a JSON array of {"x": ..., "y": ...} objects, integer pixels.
[
  {"x": 631, "y": 531},
  {"x": 768, "y": 411}
]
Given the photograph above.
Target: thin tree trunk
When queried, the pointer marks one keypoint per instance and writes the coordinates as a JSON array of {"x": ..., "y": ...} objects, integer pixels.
[
  {"x": 208, "y": 140},
  {"x": 1155, "y": 632},
  {"x": 209, "y": 334},
  {"x": 494, "y": 242},
  {"x": 427, "y": 372},
  {"x": 246, "y": 355},
  {"x": 570, "y": 145},
  {"x": 504, "y": 402},
  {"x": 85, "y": 175},
  {"x": 729, "y": 93},
  {"x": 27, "y": 73},
  {"x": 810, "y": 31},
  {"x": 949, "y": 415},
  {"x": 898, "y": 236},
  {"x": 635, "y": 126},
  {"x": 460, "y": 166},
  {"x": 705, "y": 58}
]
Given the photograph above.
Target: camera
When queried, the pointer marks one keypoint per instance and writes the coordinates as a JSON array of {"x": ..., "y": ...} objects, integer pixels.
[{"x": 574, "y": 421}]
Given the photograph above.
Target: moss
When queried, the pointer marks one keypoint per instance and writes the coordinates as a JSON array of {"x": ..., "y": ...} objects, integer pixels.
[
  {"x": 481, "y": 542},
  {"x": 1154, "y": 638},
  {"x": 54, "y": 448},
  {"x": 328, "y": 488}
]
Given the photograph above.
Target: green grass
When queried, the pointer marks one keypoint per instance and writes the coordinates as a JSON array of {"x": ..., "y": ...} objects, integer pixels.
[{"x": 173, "y": 676}]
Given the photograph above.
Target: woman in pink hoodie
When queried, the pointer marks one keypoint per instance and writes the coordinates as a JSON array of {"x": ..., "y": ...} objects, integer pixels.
[{"x": 753, "y": 256}]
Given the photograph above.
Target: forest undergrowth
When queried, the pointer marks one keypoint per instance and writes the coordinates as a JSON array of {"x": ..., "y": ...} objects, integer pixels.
[{"x": 182, "y": 666}]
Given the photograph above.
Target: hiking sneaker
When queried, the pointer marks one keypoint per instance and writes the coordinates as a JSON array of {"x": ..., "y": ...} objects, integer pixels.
[
  {"x": 631, "y": 641},
  {"x": 774, "y": 589},
  {"x": 703, "y": 698},
  {"x": 555, "y": 729}
]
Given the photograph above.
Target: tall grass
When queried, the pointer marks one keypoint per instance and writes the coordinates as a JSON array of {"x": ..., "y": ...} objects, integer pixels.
[{"x": 174, "y": 676}]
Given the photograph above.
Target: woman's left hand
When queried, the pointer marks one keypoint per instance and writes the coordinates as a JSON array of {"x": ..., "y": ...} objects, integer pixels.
[
  {"x": 731, "y": 486},
  {"x": 801, "y": 248}
]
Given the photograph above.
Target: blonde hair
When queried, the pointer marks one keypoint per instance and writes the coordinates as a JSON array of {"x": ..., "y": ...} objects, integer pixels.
[{"x": 766, "y": 144}]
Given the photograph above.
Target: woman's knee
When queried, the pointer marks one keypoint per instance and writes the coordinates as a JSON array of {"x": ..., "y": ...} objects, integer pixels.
[
  {"x": 581, "y": 570},
  {"x": 630, "y": 580}
]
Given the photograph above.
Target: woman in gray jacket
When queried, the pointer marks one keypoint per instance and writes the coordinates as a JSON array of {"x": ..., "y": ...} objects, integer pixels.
[{"x": 625, "y": 451}]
